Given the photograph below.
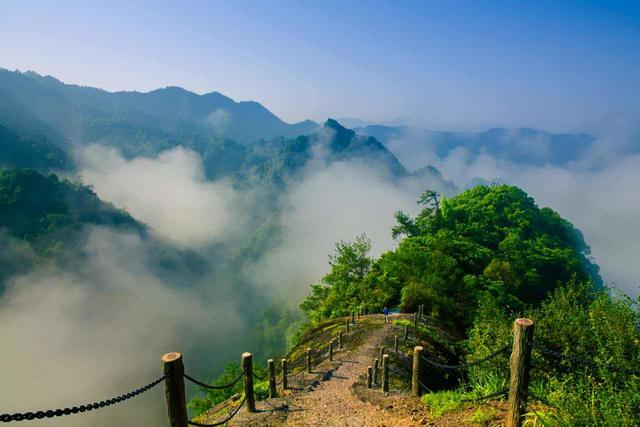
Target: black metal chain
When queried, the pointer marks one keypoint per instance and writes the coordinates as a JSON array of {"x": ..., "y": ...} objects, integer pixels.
[
  {"x": 581, "y": 361},
  {"x": 219, "y": 423},
  {"x": 468, "y": 364},
  {"x": 5, "y": 418},
  {"x": 215, "y": 387},
  {"x": 259, "y": 377}
]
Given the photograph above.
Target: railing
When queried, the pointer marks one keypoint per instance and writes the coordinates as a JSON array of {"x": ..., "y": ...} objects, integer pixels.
[
  {"x": 174, "y": 384},
  {"x": 519, "y": 366}
]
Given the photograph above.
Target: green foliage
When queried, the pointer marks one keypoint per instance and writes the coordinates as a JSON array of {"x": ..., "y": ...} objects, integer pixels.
[
  {"x": 275, "y": 329},
  {"x": 210, "y": 398},
  {"x": 575, "y": 320},
  {"x": 30, "y": 152},
  {"x": 45, "y": 211},
  {"x": 442, "y": 402},
  {"x": 343, "y": 290},
  {"x": 490, "y": 241}
]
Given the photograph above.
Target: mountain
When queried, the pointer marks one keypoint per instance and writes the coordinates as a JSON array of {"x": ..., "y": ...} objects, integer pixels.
[
  {"x": 86, "y": 114},
  {"x": 35, "y": 152},
  {"x": 523, "y": 146}
]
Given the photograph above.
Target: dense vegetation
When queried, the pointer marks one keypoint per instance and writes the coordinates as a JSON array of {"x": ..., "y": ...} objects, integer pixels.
[
  {"x": 489, "y": 241},
  {"x": 479, "y": 260},
  {"x": 31, "y": 152},
  {"x": 45, "y": 211}
]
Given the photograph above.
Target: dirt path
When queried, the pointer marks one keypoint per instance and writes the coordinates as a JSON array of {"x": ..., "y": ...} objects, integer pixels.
[{"x": 336, "y": 393}]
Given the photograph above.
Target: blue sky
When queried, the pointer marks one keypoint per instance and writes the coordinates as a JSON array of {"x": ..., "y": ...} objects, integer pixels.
[{"x": 555, "y": 65}]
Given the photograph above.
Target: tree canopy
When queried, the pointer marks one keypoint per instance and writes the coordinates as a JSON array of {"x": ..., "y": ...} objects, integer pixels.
[{"x": 489, "y": 240}]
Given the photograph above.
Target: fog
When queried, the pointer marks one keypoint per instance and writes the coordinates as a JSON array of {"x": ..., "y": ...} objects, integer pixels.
[
  {"x": 169, "y": 193},
  {"x": 99, "y": 328},
  {"x": 93, "y": 332},
  {"x": 598, "y": 192},
  {"x": 336, "y": 203}
]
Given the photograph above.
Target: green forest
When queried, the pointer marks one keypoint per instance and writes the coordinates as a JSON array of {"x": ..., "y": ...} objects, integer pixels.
[{"x": 476, "y": 262}]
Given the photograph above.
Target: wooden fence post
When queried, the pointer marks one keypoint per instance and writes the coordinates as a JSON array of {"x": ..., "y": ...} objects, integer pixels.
[
  {"x": 369, "y": 376},
  {"x": 385, "y": 373},
  {"x": 174, "y": 389},
  {"x": 331, "y": 351},
  {"x": 284, "y": 374},
  {"x": 415, "y": 320},
  {"x": 381, "y": 352},
  {"x": 376, "y": 368},
  {"x": 395, "y": 343},
  {"x": 417, "y": 369},
  {"x": 340, "y": 340},
  {"x": 272, "y": 379},
  {"x": 308, "y": 360},
  {"x": 520, "y": 364},
  {"x": 406, "y": 332},
  {"x": 247, "y": 368},
  {"x": 348, "y": 326},
  {"x": 353, "y": 317}
]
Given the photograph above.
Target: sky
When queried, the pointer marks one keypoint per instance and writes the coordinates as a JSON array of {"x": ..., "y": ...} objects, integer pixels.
[{"x": 559, "y": 66}]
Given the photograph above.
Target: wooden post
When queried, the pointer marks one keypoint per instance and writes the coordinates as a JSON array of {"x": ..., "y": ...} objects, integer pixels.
[
  {"x": 406, "y": 332},
  {"x": 353, "y": 317},
  {"x": 308, "y": 360},
  {"x": 369, "y": 376},
  {"x": 385, "y": 373},
  {"x": 381, "y": 352},
  {"x": 174, "y": 389},
  {"x": 284, "y": 374},
  {"x": 347, "y": 325},
  {"x": 376, "y": 368},
  {"x": 417, "y": 365},
  {"x": 272, "y": 379},
  {"x": 340, "y": 340},
  {"x": 247, "y": 368},
  {"x": 415, "y": 320},
  {"x": 395, "y": 343},
  {"x": 520, "y": 364},
  {"x": 331, "y": 351}
]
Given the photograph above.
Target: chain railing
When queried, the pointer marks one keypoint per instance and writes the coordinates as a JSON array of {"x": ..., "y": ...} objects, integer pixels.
[{"x": 79, "y": 409}]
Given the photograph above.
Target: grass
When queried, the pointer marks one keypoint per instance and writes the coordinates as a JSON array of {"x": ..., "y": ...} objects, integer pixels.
[
  {"x": 442, "y": 402},
  {"x": 483, "y": 416}
]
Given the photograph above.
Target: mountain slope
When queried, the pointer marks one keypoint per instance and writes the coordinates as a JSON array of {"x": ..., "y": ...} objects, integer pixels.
[
  {"x": 521, "y": 145},
  {"x": 72, "y": 110}
]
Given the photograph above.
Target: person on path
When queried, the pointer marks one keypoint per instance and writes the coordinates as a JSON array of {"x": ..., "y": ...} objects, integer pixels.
[{"x": 385, "y": 311}]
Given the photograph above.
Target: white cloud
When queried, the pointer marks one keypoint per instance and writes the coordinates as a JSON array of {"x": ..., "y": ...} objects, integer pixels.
[{"x": 169, "y": 193}]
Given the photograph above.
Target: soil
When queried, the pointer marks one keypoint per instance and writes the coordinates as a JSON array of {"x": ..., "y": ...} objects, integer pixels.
[{"x": 336, "y": 393}]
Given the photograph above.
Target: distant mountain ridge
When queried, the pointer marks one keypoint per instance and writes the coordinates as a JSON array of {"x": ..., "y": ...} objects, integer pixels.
[
  {"x": 525, "y": 146},
  {"x": 74, "y": 110}
]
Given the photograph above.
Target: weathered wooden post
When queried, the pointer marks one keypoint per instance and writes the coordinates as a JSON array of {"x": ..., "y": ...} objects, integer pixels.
[
  {"x": 247, "y": 368},
  {"x": 395, "y": 343},
  {"x": 340, "y": 340},
  {"x": 385, "y": 373},
  {"x": 417, "y": 369},
  {"x": 520, "y": 364},
  {"x": 174, "y": 389},
  {"x": 376, "y": 368},
  {"x": 272, "y": 379},
  {"x": 415, "y": 320},
  {"x": 308, "y": 360},
  {"x": 381, "y": 352},
  {"x": 353, "y": 317},
  {"x": 348, "y": 330},
  {"x": 331, "y": 351},
  {"x": 284, "y": 374},
  {"x": 406, "y": 332},
  {"x": 369, "y": 376}
]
